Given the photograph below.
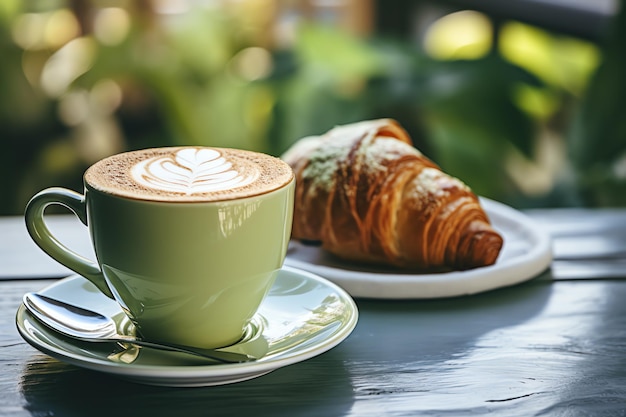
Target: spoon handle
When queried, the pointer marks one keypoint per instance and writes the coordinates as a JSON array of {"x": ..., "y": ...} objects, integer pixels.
[
  {"x": 90, "y": 326},
  {"x": 218, "y": 355}
]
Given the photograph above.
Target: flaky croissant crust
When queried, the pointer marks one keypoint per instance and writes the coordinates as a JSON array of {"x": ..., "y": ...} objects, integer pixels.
[{"x": 368, "y": 195}]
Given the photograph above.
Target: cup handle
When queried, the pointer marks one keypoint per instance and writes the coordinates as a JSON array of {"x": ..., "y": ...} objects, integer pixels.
[{"x": 42, "y": 236}]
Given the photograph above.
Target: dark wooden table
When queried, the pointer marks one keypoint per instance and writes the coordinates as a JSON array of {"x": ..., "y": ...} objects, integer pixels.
[{"x": 553, "y": 346}]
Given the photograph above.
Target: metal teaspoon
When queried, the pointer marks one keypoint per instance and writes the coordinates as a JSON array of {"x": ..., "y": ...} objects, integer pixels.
[{"x": 90, "y": 326}]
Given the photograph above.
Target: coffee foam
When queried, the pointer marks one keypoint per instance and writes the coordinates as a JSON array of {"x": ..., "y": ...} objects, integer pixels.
[{"x": 188, "y": 174}]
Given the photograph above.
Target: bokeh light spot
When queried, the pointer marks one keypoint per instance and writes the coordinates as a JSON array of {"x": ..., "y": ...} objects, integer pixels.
[
  {"x": 28, "y": 31},
  {"x": 61, "y": 27},
  {"x": 252, "y": 63},
  {"x": 111, "y": 25},
  {"x": 66, "y": 65},
  {"x": 461, "y": 35}
]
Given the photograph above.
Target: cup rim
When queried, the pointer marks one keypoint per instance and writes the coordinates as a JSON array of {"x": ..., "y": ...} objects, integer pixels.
[
  {"x": 284, "y": 176},
  {"x": 89, "y": 188}
]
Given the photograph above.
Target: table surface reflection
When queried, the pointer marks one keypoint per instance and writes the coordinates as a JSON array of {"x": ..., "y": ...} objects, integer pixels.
[{"x": 555, "y": 345}]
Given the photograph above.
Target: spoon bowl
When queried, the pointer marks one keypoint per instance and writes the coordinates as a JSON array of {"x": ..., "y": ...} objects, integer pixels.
[{"x": 90, "y": 326}]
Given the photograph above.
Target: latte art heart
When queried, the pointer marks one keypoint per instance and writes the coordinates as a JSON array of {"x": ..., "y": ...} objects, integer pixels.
[{"x": 190, "y": 171}]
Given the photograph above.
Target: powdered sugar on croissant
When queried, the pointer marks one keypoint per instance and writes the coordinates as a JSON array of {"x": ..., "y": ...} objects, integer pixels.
[{"x": 368, "y": 195}]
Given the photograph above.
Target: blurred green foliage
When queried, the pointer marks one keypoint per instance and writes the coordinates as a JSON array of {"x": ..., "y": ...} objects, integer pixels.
[
  {"x": 597, "y": 137},
  {"x": 205, "y": 77}
]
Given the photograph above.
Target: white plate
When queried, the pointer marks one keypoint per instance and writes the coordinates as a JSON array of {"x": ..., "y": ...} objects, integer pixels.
[
  {"x": 303, "y": 316},
  {"x": 526, "y": 252}
]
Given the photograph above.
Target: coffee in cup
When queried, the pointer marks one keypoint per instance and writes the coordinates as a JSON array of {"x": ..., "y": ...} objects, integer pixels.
[{"x": 188, "y": 240}]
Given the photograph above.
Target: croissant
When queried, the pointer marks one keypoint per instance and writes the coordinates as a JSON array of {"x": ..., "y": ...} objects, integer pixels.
[{"x": 369, "y": 196}]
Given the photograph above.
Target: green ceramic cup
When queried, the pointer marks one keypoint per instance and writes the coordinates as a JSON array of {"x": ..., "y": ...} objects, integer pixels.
[{"x": 189, "y": 268}]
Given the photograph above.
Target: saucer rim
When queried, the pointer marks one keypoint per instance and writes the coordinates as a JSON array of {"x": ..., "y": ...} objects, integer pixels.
[{"x": 200, "y": 375}]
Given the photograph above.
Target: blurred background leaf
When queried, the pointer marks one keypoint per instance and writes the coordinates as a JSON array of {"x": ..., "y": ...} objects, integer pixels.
[{"x": 597, "y": 137}]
